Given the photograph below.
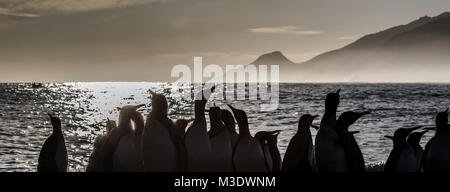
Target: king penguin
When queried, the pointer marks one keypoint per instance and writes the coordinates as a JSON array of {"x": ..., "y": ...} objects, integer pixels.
[
  {"x": 299, "y": 155},
  {"x": 197, "y": 140},
  {"x": 248, "y": 155},
  {"x": 98, "y": 143},
  {"x": 230, "y": 125},
  {"x": 221, "y": 146},
  {"x": 162, "y": 151},
  {"x": 402, "y": 157},
  {"x": 353, "y": 155},
  {"x": 330, "y": 156},
  {"x": 53, "y": 155},
  {"x": 436, "y": 156},
  {"x": 274, "y": 152},
  {"x": 414, "y": 140},
  {"x": 128, "y": 153}
]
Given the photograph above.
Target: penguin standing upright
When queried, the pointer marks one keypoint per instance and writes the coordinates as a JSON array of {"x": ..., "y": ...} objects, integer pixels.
[
  {"x": 299, "y": 155},
  {"x": 402, "y": 157},
  {"x": 274, "y": 152},
  {"x": 230, "y": 125},
  {"x": 221, "y": 147},
  {"x": 353, "y": 154},
  {"x": 98, "y": 143},
  {"x": 197, "y": 140},
  {"x": 248, "y": 155},
  {"x": 330, "y": 156},
  {"x": 107, "y": 159},
  {"x": 436, "y": 156},
  {"x": 128, "y": 153},
  {"x": 414, "y": 140},
  {"x": 53, "y": 155},
  {"x": 161, "y": 147}
]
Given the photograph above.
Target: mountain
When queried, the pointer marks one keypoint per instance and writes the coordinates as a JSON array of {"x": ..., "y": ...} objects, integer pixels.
[
  {"x": 275, "y": 57},
  {"x": 415, "y": 52}
]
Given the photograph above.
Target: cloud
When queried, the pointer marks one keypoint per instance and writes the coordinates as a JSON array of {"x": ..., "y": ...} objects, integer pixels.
[
  {"x": 285, "y": 30},
  {"x": 33, "y": 8}
]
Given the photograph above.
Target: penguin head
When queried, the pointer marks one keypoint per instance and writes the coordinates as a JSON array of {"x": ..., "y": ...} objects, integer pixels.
[
  {"x": 110, "y": 125},
  {"x": 128, "y": 111},
  {"x": 160, "y": 107},
  {"x": 306, "y": 120},
  {"x": 181, "y": 124},
  {"x": 202, "y": 98},
  {"x": 442, "y": 119},
  {"x": 273, "y": 138},
  {"x": 414, "y": 137},
  {"x": 56, "y": 122},
  {"x": 349, "y": 117},
  {"x": 332, "y": 99},
  {"x": 228, "y": 118},
  {"x": 240, "y": 115},
  {"x": 263, "y": 136}
]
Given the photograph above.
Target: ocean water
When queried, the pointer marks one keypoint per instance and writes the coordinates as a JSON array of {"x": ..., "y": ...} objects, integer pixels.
[{"x": 85, "y": 107}]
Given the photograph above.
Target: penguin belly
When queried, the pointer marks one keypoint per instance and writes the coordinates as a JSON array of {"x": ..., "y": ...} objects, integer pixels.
[
  {"x": 407, "y": 160},
  {"x": 159, "y": 151},
  {"x": 330, "y": 157},
  {"x": 438, "y": 155},
  {"x": 221, "y": 156},
  {"x": 198, "y": 148},
  {"x": 249, "y": 156},
  {"x": 61, "y": 156},
  {"x": 126, "y": 156}
]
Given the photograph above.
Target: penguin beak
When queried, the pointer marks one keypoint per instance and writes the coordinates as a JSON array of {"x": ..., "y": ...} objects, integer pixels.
[
  {"x": 152, "y": 92},
  {"x": 276, "y": 132},
  {"x": 139, "y": 106},
  {"x": 315, "y": 116},
  {"x": 430, "y": 128},
  {"x": 353, "y": 132},
  {"x": 315, "y": 127},
  {"x": 389, "y": 137},
  {"x": 339, "y": 90},
  {"x": 446, "y": 110}
]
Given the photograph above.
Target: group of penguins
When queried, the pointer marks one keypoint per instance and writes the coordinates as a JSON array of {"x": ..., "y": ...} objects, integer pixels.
[{"x": 158, "y": 144}]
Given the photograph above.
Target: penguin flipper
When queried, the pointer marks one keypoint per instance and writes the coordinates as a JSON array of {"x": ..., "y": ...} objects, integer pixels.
[{"x": 423, "y": 162}]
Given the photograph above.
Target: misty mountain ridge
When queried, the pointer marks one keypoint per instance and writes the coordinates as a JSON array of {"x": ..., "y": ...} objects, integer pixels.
[{"x": 415, "y": 52}]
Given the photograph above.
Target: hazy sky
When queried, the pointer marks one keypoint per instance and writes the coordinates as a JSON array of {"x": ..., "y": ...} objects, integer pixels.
[{"x": 140, "y": 40}]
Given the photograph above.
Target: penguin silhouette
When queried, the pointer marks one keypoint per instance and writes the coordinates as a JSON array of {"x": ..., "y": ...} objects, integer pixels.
[
  {"x": 353, "y": 154},
  {"x": 197, "y": 140},
  {"x": 162, "y": 148},
  {"x": 128, "y": 153},
  {"x": 330, "y": 156},
  {"x": 53, "y": 155},
  {"x": 436, "y": 156},
  {"x": 107, "y": 156},
  {"x": 274, "y": 152},
  {"x": 230, "y": 125},
  {"x": 248, "y": 155},
  {"x": 402, "y": 157},
  {"x": 299, "y": 155},
  {"x": 98, "y": 143},
  {"x": 221, "y": 146},
  {"x": 414, "y": 140}
]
